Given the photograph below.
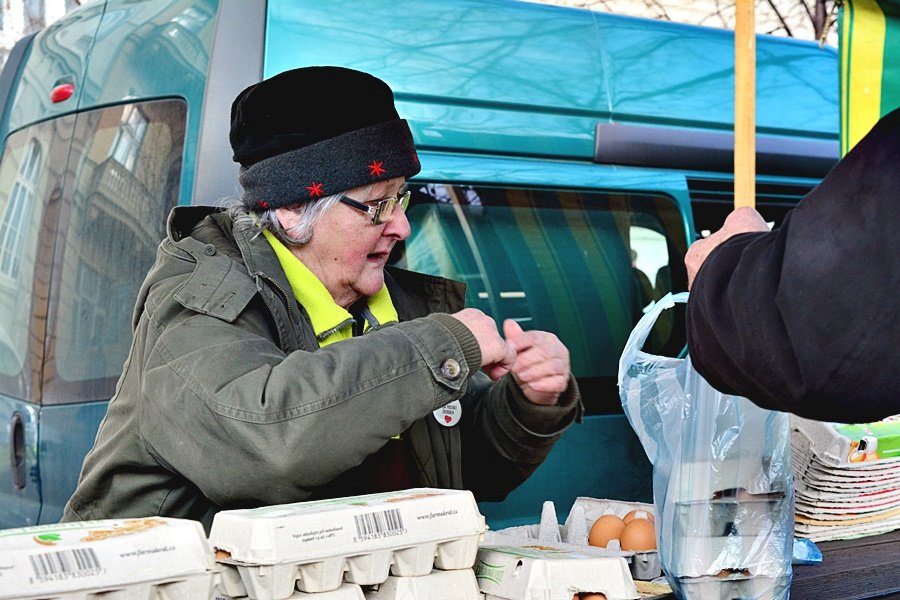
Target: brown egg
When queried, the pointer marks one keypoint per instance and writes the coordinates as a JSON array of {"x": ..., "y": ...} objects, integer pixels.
[
  {"x": 638, "y": 513},
  {"x": 222, "y": 554},
  {"x": 606, "y": 528},
  {"x": 590, "y": 596},
  {"x": 639, "y": 535}
]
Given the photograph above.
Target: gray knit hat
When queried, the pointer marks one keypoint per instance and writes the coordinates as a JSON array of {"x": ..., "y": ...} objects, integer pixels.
[{"x": 315, "y": 131}]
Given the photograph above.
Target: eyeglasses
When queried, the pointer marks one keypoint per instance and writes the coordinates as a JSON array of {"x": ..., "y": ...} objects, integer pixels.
[{"x": 383, "y": 211}]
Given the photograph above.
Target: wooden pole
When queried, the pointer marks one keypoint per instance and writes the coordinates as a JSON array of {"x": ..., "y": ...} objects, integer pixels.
[{"x": 744, "y": 105}]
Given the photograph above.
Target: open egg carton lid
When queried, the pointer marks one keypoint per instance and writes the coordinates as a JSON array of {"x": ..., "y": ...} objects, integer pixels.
[
  {"x": 536, "y": 572},
  {"x": 120, "y": 558},
  {"x": 573, "y": 535},
  {"x": 268, "y": 552}
]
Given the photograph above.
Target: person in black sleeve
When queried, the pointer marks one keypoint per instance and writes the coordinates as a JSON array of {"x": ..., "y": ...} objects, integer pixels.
[{"x": 806, "y": 318}]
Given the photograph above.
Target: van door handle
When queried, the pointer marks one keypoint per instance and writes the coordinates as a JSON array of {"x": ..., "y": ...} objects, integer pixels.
[{"x": 17, "y": 451}]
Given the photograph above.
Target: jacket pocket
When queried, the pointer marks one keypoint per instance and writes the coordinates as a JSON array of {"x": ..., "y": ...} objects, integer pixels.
[{"x": 218, "y": 287}]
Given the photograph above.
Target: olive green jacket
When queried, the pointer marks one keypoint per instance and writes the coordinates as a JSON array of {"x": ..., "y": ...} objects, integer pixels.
[{"x": 227, "y": 401}]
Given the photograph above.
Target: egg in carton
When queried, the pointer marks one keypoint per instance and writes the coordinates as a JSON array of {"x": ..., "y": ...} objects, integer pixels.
[
  {"x": 574, "y": 534},
  {"x": 120, "y": 559},
  {"x": 267, "y": 553}
]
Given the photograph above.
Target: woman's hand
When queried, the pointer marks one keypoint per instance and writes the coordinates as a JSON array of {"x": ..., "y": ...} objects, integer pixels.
[{"x": 541, "y": 366}]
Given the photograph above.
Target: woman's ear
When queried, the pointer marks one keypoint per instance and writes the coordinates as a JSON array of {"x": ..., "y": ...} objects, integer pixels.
[{"x": 287, "y": 218}]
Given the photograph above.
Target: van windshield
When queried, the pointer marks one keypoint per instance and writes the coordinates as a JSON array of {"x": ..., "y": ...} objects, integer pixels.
[{"x": 583, "y": 265}]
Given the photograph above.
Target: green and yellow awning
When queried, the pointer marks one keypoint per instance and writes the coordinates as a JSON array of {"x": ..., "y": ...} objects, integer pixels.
[{"x": 870, "y": 65}]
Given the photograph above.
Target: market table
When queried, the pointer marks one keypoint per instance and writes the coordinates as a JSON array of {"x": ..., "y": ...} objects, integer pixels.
[{"x": 864, "y": 568}]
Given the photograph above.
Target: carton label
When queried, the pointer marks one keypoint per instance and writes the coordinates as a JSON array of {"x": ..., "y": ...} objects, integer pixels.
[
  {"x": 80, "y": 556},
  {"x": 312, "y": 530},
  {"x": 378, "y": 525},
  {"x": 489, "y": 572},
  {"x": 872, "y": 441}
]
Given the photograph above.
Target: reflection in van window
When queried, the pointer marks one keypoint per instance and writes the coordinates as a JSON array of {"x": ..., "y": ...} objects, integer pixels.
[
  {"x": 126, "y": 179},
  {"x": 31, "y": 169},
  {"x": 129, "y": 136},
  {"x": 583, "y": 265},
  {"x": 18, "y": 210}
]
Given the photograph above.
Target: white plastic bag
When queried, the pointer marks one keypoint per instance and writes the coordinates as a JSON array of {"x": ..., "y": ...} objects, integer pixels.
[{"x": 722, "y": 483}]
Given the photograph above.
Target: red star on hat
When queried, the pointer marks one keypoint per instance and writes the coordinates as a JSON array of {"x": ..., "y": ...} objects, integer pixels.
[
  {"x": 375, "y": 169},
  {"x": 315, "y": 190}
]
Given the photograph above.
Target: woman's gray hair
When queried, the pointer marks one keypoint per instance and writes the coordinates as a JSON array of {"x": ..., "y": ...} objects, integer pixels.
[{"x": 299, "y": 234}]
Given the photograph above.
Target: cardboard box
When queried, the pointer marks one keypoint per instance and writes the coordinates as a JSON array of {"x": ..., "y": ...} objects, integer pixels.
[
  {"x": 546, "y": 573},
  {"x": 266, "y": 551},
  {"x": 121, "y": 558}
]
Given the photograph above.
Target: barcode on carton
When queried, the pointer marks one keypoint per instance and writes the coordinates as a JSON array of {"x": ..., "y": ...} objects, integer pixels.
[
  {"x": 373, "y": 526},
  {"x": 65, "y": 564}
]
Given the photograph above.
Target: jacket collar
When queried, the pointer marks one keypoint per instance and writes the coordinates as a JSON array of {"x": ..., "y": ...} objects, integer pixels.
[{"x": 414, "y": 294}]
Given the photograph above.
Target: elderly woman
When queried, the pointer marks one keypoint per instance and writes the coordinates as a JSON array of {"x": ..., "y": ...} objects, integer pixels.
[{"x": 277, "y": 359}]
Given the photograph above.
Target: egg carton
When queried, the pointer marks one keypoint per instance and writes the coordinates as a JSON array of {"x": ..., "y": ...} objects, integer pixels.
[
  {"x": 188, "y": 588},
  {"x": 703, "y": 556},
  {"x": 346, "y": 591},
  {"x": 438, "y": 585},
  {"x": 712, "y": 518},
  {"x": 573, "y": 535},
  {"x": 727, "y": 588},
  {"x": 119, "y": 558},
  {"x": 539, "y": 572},
  {"x": 313, "y": 547}
]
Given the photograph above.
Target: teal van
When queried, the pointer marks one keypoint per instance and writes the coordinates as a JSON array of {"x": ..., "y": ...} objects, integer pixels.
[{"x": 569, "y": 158}]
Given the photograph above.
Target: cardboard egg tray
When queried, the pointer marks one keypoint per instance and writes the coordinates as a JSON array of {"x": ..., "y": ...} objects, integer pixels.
[
  {"x": 539, "y": 572},
  {"x": 122, "y": 559},
  {"x": 439, "y": 585},
  {"x": 573, "y": 535},
  {"x": 268, "y": 553},
  {"x": 746, "y": 588},
  {"x": 347, "y": 591}
]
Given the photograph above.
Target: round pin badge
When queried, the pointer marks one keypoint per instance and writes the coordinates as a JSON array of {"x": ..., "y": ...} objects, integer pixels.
[{"x": 449, "y": 414}]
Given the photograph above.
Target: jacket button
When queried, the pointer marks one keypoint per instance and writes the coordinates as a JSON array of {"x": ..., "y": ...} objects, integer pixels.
[
  {"x": 209, "y": 249},
  {"x": 450, "y": 369}
]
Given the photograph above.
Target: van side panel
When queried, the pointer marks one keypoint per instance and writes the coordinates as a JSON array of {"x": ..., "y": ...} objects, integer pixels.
[
  {"x": 236, "y": 61},
  {"x": 465, "y": 74},
  {"x": 20, "y": 493},
  {"x": 669, "y": 73},
  {"x": 67, "y": 433},
  {"x": 538, "y": 83},
  {"x": 58, "y": 54}
]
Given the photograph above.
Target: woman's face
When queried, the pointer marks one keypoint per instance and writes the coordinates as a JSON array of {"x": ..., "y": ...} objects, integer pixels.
[{"x": 347, "y": 252}]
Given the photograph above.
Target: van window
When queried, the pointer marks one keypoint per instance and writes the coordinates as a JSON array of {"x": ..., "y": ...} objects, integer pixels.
[
  {"x": 583, "y": 265},
  {"x": 126, "y": 173},
  {"x": 31, "y": 175}
]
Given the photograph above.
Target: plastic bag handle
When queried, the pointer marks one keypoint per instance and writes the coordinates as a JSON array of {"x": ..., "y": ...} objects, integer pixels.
[{"x": 642, "y": 330}]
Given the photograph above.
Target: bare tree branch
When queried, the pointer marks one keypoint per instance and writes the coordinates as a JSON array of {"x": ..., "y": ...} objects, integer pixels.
[
  {"x": 661, "y": 14},
  {"x": 778, "y": 14},
  {"x": 806, "y": 8}
]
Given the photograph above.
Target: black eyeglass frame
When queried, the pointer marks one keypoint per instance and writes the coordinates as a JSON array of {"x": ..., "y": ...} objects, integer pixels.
[{"x": 385, "y": 205}]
